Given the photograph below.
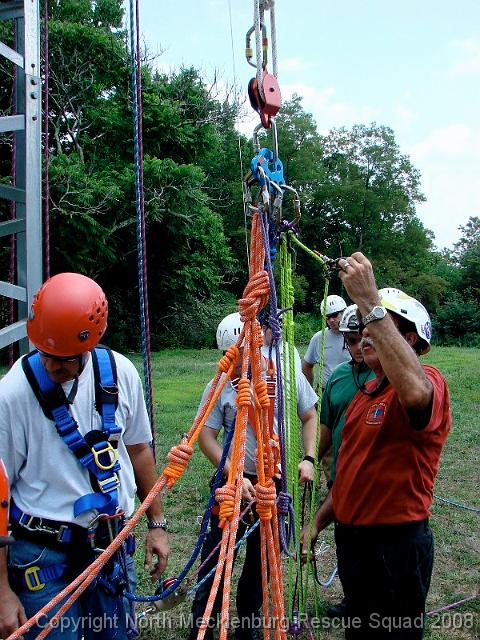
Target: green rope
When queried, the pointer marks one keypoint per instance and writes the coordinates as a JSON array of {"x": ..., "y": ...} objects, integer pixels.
[
  {"x": 292, "y": 439},
  {"x": 290, "y": 402},
  {"x": 311, "y": 253},
  {"x": 309, "y": 568}
]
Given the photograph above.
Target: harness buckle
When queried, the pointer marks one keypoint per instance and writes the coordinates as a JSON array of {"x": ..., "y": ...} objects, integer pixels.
[
  {"x": 107, "y": 449},
  {"x": 26, "y": 520},
  {"x": 32, "y": 579},
  {"x": 109, "y": 484},
  {"x": 103, "y": 529},
  {"x": 61, "y": 531}
]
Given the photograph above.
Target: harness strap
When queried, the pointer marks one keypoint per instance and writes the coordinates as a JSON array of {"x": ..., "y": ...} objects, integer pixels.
[
  {"x": 97, "y": 450},
  {"x": 106, "y": 391},
  {"x": 62, "y": 532},
  {"x": 34, "y": 578}
]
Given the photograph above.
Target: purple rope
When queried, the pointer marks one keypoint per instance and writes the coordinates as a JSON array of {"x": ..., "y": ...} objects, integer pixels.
[
  {"x": 13, "y": 208},
  {"x": 453, "y": 605},
  {"x": 46, "y": 153},
  {"x": 285, "y": 506},
  {"x": 140, "y": 209},
  {"x": 143, "y": 234}
]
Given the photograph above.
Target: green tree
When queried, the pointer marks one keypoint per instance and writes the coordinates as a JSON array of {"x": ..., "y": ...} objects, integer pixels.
[
  {"x": 92, "y": 192},
  {"x": 467, "y": 254}
]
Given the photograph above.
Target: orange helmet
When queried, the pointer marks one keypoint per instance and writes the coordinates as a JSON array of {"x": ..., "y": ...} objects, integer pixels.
[{"x": 68, "y": 315}]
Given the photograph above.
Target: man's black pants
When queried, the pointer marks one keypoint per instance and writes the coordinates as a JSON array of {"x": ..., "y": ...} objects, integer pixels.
[{"x": 385, "y": 572}]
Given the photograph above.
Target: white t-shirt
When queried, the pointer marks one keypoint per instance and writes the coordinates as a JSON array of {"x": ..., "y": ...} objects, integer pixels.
[
  {"x": 45, "y": 476},
  {"x": 298, "y": 360},
  {"x": 335, "y": 352},
  {"x": 224, "y": 410}
]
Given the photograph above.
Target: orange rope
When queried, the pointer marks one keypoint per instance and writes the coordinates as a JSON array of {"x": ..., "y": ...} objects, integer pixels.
[{"x": 254, "y": 298}]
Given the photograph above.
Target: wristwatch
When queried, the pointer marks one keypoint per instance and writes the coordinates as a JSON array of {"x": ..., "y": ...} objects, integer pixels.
[
  {"x": 157, "y": 524},
  {"x": 377, "y": 313}
]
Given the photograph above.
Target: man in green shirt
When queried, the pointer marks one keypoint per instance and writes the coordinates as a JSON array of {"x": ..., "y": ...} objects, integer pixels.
[{"x": 346, "y": 379}]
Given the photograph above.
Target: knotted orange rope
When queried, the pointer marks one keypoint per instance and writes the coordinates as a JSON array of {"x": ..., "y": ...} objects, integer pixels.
[{"x": 254, "y": 299}]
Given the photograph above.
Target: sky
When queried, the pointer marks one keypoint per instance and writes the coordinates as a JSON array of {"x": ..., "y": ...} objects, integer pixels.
[{"x": 412, "y": 65}]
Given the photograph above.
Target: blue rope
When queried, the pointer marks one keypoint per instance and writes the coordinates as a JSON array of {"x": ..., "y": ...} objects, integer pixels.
[
  {"x": 138, "y": 196},
  {"x": 242, "y": 539},
  {"x": 329, "y": 580},
  {"x": 457, "y": 504},
  {"x": 203, "y": 530}
]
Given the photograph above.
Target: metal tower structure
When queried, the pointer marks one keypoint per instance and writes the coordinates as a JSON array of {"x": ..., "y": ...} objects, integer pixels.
[{"x": 25, "y": 191}]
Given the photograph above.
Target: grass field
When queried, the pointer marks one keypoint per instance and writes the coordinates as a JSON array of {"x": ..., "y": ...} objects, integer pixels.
[{"x": 179, "y": 377}]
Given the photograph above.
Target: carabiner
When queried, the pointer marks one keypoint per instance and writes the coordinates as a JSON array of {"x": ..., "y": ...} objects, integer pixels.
[{"x": 248, "y": 46}]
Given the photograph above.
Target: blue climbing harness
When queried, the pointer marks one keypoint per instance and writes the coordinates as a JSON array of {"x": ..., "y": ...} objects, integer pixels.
[{"x": 97, "y": 450}]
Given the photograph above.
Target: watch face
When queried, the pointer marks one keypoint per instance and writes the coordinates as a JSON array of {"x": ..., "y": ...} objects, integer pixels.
[{"x": 377, "y": 313}]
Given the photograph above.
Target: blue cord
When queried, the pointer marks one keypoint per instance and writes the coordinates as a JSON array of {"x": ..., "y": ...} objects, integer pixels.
[
  {"x": 242, "y": 539},
  {"x": 457, "y": 504}
]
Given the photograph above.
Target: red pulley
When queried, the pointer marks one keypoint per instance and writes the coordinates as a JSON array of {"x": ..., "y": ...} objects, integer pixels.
[{"x": 269, "y": 106}]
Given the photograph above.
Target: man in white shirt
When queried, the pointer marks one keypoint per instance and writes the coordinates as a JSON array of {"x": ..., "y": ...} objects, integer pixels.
[
  {"x": 249, "y": 591},
  {"x": 335, "y": 350},
  {"x": 57, "y": 494}
]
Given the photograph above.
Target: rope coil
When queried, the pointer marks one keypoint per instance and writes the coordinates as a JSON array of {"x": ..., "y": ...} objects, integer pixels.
[
  {"x": 266, "y": 496},
  {"x": 178, "y": 458}
]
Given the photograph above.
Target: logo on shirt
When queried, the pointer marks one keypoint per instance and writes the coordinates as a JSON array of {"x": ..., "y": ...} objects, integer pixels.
[{"x": 376, "y": 413}]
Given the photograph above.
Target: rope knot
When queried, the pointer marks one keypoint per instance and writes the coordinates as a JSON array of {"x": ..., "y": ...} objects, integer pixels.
[
  {"x": 231, "y": 357},
  {"x": 243, "y": 393},
  {"x": 225, "y": 496},
  {"x": 255, "y": 296},
  {"x": 266, "y": 496},
  {"x": 262, "y": 393},
  {"x": 178, "y": 458},
  {"x": 284, "y": 502}
]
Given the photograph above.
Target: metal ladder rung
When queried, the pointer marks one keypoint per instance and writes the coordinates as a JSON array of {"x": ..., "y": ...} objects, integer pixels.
[
  {"x": 11, "y": 55},
  {"x": 10, "y": 227},
  {"x": 10, "y": 290},
  {"x": 12, "y": 123},
  {"x": 12, "y": 9},
  {"x": 12, "y": 193}
]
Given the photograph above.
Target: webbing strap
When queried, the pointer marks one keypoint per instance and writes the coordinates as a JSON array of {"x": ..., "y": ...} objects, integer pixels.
[
  {"x": 98, "y": 457},
  {"x": 106, "y": 390}
]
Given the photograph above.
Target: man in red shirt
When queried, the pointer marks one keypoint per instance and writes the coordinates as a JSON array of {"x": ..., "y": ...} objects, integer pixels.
[{"x": 394, "y": 432}]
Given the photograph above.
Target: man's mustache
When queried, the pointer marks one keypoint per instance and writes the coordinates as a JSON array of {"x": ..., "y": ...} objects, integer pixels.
[{"x": 366, "y": 342}]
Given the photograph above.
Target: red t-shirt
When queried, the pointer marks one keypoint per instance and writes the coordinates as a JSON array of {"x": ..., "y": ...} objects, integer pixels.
[{"x": 386, "y": 469}]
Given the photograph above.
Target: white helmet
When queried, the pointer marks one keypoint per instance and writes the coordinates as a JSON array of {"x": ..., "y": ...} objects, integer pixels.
[
  {"x": 349, "y": 321},
  {"x": 407, "y": 307},
  {"x": 335, "y": 304},
  {"x": 228, "y": 331}
]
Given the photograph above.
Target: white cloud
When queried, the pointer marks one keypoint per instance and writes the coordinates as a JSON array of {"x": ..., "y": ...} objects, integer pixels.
[
  {"x": 406, "y": 116},
  {"x": 453, "y": 195},
  {"x": 327, "y": 111},
  {"x": 293, "y": 65},
  {"x": 471, "y": 62},
  {"x": 455, "y": 140}
]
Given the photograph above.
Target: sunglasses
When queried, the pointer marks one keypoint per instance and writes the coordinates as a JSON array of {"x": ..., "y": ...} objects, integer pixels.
[
  {"x": 333, "y": 315},
  {"x": 59, "y": 358}
]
